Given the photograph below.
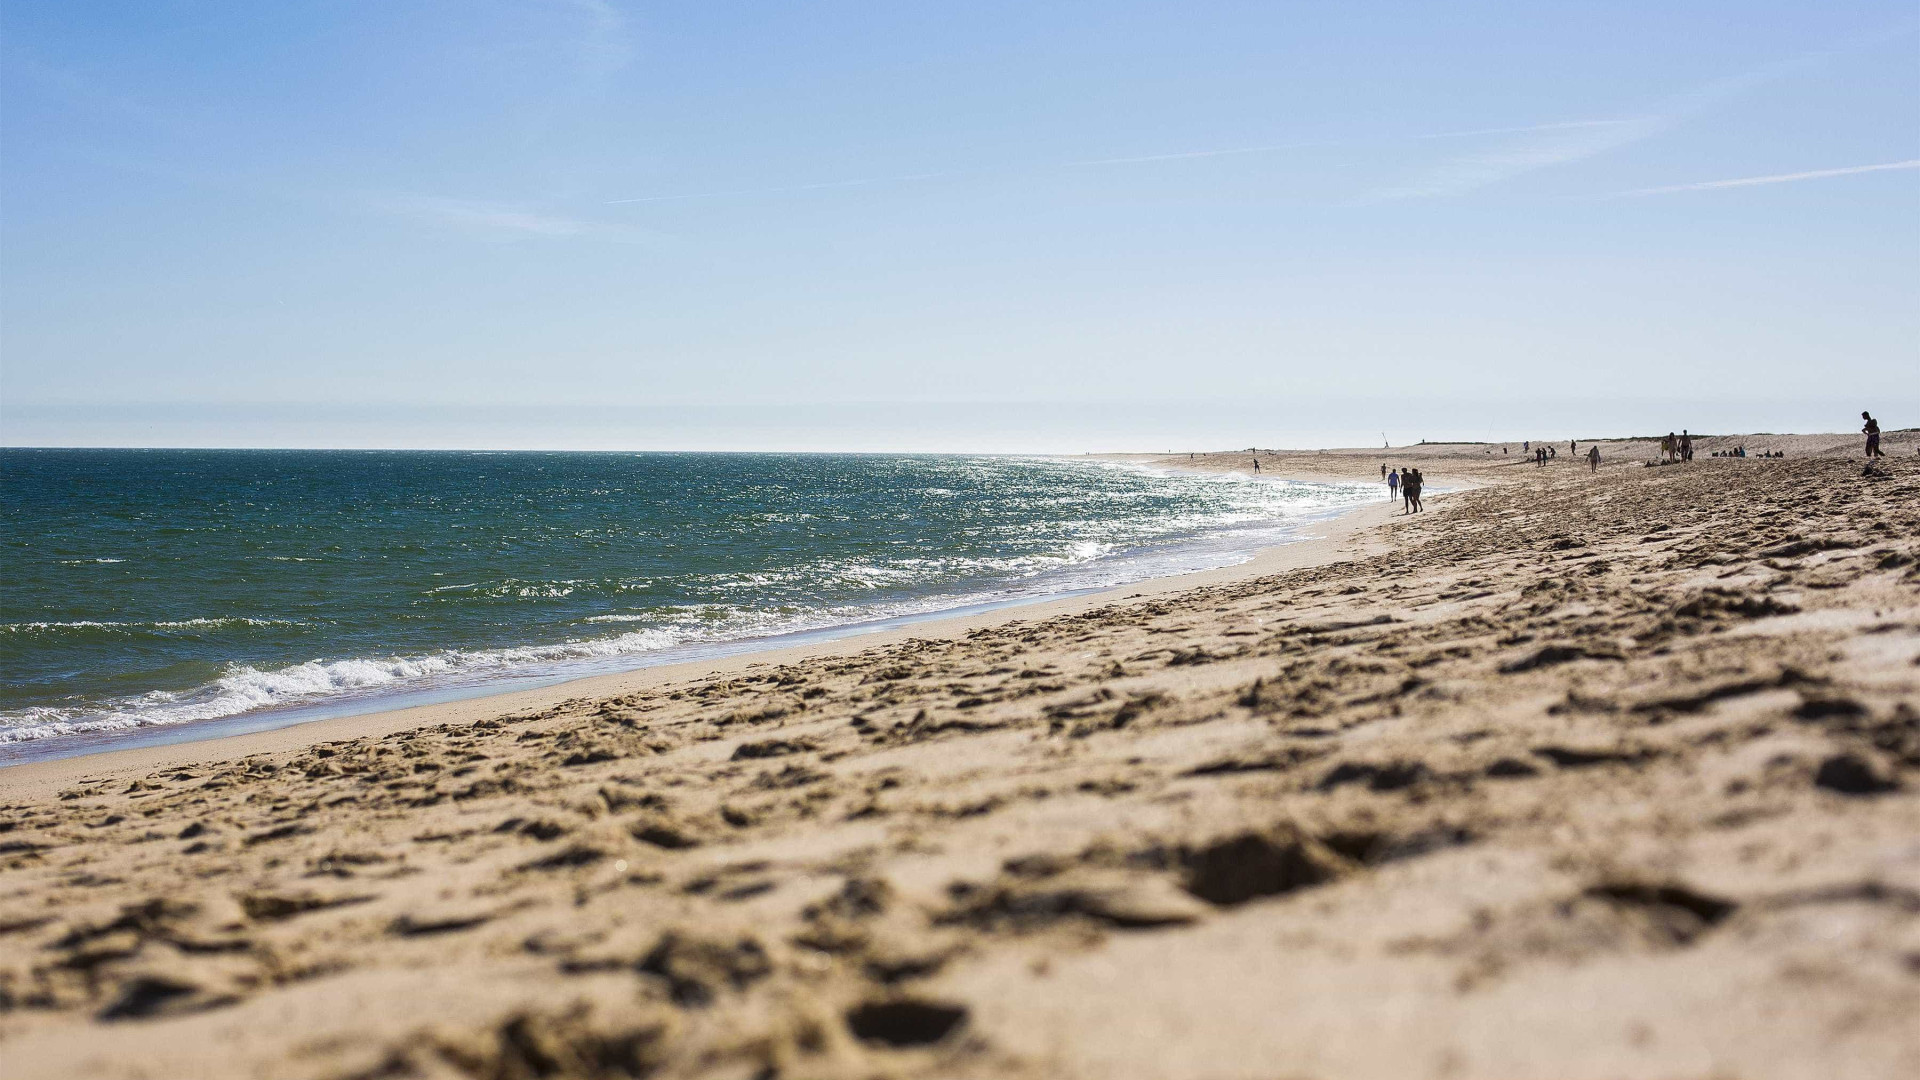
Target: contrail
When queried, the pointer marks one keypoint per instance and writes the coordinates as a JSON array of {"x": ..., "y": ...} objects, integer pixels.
[
  {"x": 1183, "y": 155},
  {"x": 1525, "y": 128},
  {"x": 1552, "y": 145},
  {"x": 1778, "y": 178},
  {"x": 1191, "y": 154},
  {"x": 1186, "y": 155},
  {"x": 783, "y": 190}
]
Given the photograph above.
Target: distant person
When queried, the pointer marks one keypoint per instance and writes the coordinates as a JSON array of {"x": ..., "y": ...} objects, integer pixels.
[
  {"x": 1593, "y": 458},
  {"x": 1393, "y": 485},
  {"x": 1552, "y": 452},
  {"x": 1872, "y": 431},
  {"x": 1572, "y": 447},
  {"x": 1686, "y": 445},
  {"x": 1527, "y": 446},
  {"x": 1669, "y": 446},
  {"x": 1383, "y": 472},
  {"x": 1256, "y": 463},
  {"x": 1412, "y": 486}
]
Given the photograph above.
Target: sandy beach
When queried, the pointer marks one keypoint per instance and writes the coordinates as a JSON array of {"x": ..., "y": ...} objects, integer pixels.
[{"x": 1576, "y": 774}]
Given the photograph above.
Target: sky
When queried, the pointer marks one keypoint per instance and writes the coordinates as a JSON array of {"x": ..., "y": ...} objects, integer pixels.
[{"x": 985, "y": 227}]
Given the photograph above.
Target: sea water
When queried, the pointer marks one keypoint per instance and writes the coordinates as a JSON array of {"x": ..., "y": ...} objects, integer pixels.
[{"x": 190, "y": 590}]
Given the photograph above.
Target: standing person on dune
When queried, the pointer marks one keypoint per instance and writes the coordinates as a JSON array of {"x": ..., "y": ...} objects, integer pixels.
[
  {"x": 1872, "y": 431},
  {"x": 1593, "y": 458}
]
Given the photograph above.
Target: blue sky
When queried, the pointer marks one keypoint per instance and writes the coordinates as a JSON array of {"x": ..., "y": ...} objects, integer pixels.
[{"x": 985, "y": 226}]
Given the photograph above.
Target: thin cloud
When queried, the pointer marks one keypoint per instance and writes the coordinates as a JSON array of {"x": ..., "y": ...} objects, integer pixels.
[
  {"x": 1189, "y": 154},
  {"x": 781, "y": 190},
  {"x": 1524, "y": 129},
  {"x": 604, "y": 48},
  {"x": 1569, "y": 131},
  {"x": 1551, "y": 145},
  {"x": 1183, "y": 155},
  {"x": 505, "y": 220},
  {"x": 1777, "y": 178},
  {"x": 911, "y": 177}
]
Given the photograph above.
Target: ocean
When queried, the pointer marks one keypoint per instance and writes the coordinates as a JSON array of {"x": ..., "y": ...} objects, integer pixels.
[{"x": 161, "y": 595}]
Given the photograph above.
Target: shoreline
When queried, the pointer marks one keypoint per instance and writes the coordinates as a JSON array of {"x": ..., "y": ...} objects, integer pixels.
[{"x": 1320, "y": 545}]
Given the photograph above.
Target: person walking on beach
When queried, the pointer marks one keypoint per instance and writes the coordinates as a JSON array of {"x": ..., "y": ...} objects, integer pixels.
[
  {"x": 1686, "y": 445},
  {"x": 1872, "y": 431},
  {"x": 1393, "y": 485},
  {"x": 1411, "y": 485},
  {"x": 1593, "y": 458}
]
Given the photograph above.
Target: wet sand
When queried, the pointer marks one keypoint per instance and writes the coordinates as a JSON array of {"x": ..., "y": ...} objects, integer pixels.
[{"x": 1575, "y": 775}]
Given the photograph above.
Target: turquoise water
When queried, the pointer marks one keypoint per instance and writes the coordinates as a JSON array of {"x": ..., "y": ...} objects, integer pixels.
[{"x": 171, "y": 588}]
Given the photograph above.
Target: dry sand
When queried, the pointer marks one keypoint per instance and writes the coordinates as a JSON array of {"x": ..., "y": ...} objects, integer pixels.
[{"x": 1575, "y": 775}]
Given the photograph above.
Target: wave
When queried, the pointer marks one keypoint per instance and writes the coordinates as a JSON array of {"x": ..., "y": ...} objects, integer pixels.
[
  {"x": 244, "y": 688},
  {"x": 111, "y": 626},
  {"x": 512, "y": 587}
]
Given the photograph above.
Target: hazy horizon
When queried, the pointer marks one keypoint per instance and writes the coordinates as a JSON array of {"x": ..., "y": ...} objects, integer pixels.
[{"x": 942, "y": 427}]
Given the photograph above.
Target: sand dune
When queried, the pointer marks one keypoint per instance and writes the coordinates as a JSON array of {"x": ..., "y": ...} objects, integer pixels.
[{"x": 1575, "y": 775}]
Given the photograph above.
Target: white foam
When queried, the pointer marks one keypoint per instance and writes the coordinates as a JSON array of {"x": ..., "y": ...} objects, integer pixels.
[
  {"x": 244, "y": 688},
  {"x": 128, "y": 627}
]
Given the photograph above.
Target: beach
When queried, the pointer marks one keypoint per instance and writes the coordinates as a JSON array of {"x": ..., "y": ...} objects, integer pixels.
[{"x": 1576, "y": 774}]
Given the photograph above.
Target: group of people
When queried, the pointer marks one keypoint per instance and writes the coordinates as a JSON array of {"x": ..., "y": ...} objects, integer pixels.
[
  {"x": 1677, "y": 447},
  {"x": 1543, "y": 453},
  {"x": 1406, "y": 483},
  {"x": 1680, "y": 447}
]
